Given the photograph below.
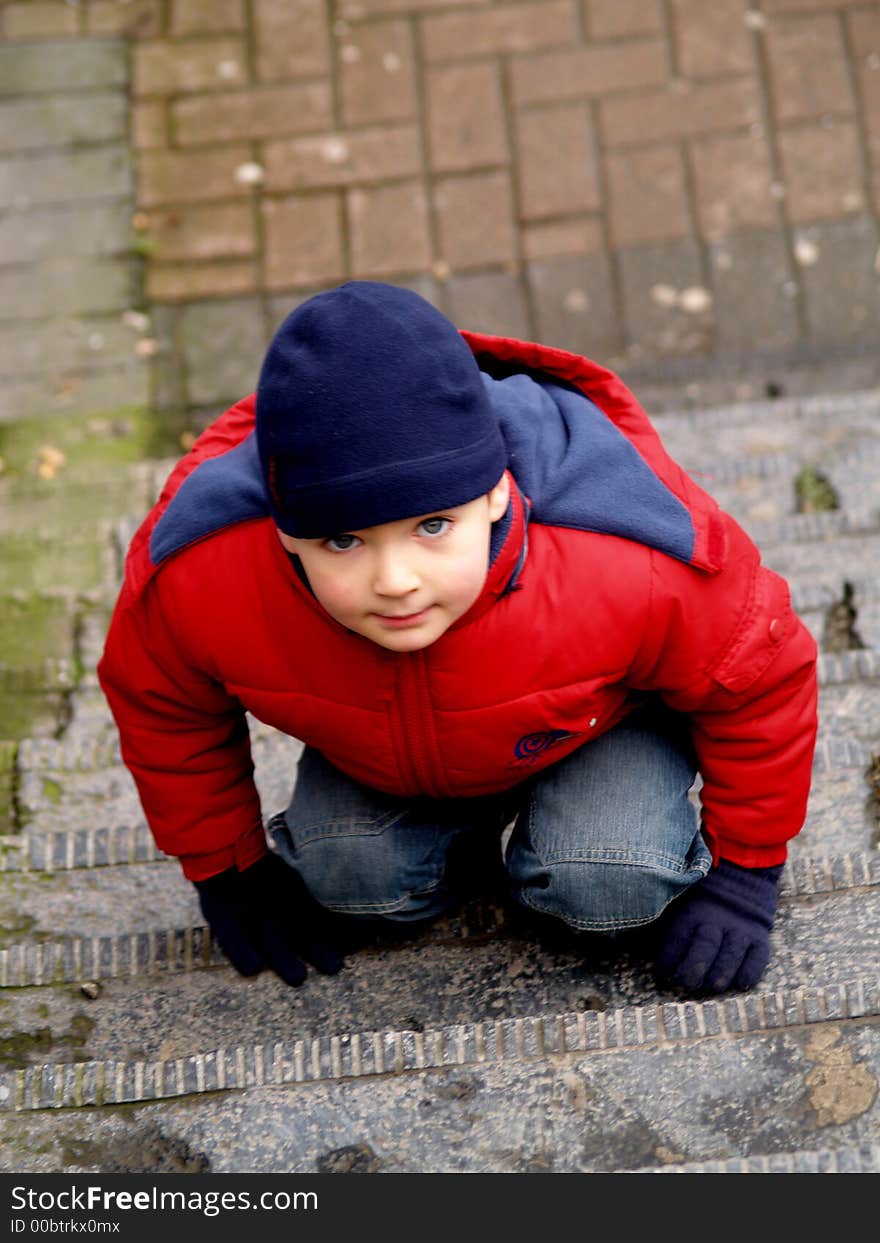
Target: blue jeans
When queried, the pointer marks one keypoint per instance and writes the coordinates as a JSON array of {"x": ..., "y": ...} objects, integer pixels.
[{"x": 604, "y": 840}]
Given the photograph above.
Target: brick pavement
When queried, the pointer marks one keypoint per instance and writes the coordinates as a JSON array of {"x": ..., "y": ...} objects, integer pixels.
[{"x": 636, "y": 179}]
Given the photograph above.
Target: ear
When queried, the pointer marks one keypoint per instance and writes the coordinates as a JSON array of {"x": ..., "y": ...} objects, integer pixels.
[
  {"x": 499, "y": 498},
  {"x": 288, "y": 541}
]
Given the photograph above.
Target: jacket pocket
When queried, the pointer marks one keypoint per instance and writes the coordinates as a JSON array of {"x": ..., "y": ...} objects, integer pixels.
[{"x": 766, "y": 624}]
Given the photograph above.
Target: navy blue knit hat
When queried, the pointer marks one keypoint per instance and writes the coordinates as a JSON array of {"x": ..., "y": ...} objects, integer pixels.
[{"x": 370, "y": 408}]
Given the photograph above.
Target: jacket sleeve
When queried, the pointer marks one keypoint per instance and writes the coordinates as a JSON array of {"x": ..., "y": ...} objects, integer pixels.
[
  {"x": 183, "y": 738},
  {"x": 729, "y": 650}
]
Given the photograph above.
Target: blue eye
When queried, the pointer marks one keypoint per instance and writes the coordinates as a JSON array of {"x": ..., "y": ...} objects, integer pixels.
[
  {"x": 341, "y": 543},
  {"x": 434, "y": 526}
]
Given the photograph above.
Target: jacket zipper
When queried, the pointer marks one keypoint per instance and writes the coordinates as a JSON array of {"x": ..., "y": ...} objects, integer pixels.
[{"x": 415, "y": 718}]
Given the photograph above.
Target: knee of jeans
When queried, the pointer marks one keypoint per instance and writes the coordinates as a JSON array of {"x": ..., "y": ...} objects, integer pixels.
[
  {"x": 362, "y": 874},
  {"x": 607, "y": 896}
]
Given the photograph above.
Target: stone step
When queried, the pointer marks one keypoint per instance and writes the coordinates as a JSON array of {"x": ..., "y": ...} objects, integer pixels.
[
  {"x": 485, "y": 1099},
  {"x": 93, "y": 947},
  {"x": 478, "y": 1045},
  {"x": 863, "y": 1159},
  {"x": 455, "y": 977},
  {"x": 587, "y": 1089}
]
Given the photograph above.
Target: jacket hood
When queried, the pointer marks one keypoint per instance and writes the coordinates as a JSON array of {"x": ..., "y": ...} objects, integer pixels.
[{"x": 579, "y": 447}]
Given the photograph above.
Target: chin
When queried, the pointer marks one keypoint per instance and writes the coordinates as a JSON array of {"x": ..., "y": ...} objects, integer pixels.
[{"x": 405, "y": 640}]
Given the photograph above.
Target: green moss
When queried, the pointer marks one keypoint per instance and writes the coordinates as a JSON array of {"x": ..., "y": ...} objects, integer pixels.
[
  {"x": 34, "y": 628},
  {"x": 23, "y": 1048},
  {"x": 814, "y": 493},
  {"x": 52, "y": 790},
  {"x": 108, "y": 437},
  {"x": 8, "y": 779}
]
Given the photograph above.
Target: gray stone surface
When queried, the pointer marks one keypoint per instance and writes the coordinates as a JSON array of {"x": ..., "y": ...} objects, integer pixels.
[
  {"x": 61, "y": 66},
  {"x": 709, "y": 1100},
  {"x": 663, "y": 312},
  {"x": 575, "y": 305},
  {"x": 222, "y": 345},
  {"x": 59, "y": 120},
  {"x": 489, "y": 302},
  {"x": 751, "y": 283},
  {"x": 102, "y": 172},
  {"x": 68, "y": 287},
  {"x": 66, "y": 231},
  {"x": 841, "y": 285}
]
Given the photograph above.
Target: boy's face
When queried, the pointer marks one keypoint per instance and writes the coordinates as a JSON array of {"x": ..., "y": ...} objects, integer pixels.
[{"x": 402, "y": 584}]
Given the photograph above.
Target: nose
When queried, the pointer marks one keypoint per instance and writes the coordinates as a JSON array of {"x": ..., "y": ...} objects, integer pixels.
[{"x": 393, "y": 574}]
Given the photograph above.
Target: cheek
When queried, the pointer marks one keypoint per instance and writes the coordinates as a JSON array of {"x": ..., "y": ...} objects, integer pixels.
[
  {"x": 333, "y": 590},
  {"x": 469, "y": 577}
]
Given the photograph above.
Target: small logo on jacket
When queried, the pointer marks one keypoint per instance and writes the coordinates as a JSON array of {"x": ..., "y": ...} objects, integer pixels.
[{"x": 532, "y": 745}]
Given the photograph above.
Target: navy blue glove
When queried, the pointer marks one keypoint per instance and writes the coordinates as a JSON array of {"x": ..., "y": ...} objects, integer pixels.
[
  {"x": 264, "y": 916},
  {"x": 717, "y": 934}
]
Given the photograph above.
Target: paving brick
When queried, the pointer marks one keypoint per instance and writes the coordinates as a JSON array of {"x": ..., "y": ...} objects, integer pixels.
[
  {"x": 574, "y": 305},
  {"x": 808, "y": 72},
  {"x": 466, "y": 125},
  {"x": 190, "y": 176},
  {"x": 59, "y": 120},
  {"x": 138, "y": 19},
  {"x": 841, "y": 288},
  {"x": 353, "y": 10},
  {"x": 682, "y": 110},
  {"x": 263, "y": 112},
  {"x": 754, "y": 309},
  {"x": 615, "y": 19},
  {"x": 303, "y": 241},
  {"x": 589, "y": 72},
  {"x": 733, "y": 182},
  {"x": 195, "y": 17},
  {"x": 51, "y": 66},
  {"x": 164, "y": 67},
  {"x": 557, "y": 165},
  {"x": 97, "y": 172},
  {"x": 69, "y": 287},
  {"x": 343, "y": 158},
  {"x": 512, "y": 28},
  {"x": 389, "y": 230},
  {"x": 291, "y": 39},
  {"x": 203, "y": 232},
  {"x": 864, "y": 27},
  {"x": 149, "y": 125},
  {"x": 65, "y": 231},
  {"x": 711, "y": 38},
  {"x": 223, "y": 345},
  {"x": 33, "y": 21},
  {"x": 653, "y": 280},
  {"x": 475, "y": 220},
  {"x": 492, "y": 302},
  {"x": 186, "y": 282},
  {"x": 581, "y": 235},
  {"x": 377, "y": 74},
  {"x": 821, "y": 171},
  {"x": 647, "y": 197},
  {"x": 806, "y": 6}
]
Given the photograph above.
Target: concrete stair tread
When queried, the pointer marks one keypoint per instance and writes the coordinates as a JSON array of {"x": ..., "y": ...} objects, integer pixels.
[
  {"x": 478, "y": 1044},
  {"x": 476, "y": 966}
]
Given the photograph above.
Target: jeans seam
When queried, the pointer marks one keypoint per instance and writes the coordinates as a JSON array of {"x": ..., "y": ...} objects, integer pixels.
[
  {"x": 344, "y": 827},
  {"x": 594, "y": 925},
  {"x": 675, "y": 867}
]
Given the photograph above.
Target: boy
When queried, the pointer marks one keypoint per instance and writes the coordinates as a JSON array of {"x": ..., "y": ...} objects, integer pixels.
[{"x": 464, "y": 572}]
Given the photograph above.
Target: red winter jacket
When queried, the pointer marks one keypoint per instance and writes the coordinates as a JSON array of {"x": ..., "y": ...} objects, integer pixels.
[{"x": 613, "y": 573}]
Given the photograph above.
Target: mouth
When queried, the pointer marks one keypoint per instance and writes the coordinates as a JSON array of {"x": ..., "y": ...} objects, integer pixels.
[{"x": 402, "y": 621}]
